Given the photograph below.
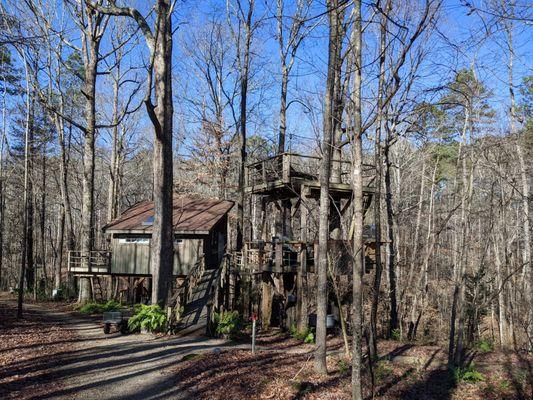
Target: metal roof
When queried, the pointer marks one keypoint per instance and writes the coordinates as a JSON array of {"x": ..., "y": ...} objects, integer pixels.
[{"x": 189, "y": 215}]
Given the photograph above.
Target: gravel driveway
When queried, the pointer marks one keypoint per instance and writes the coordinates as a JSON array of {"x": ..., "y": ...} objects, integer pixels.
[{"x": 118, "y": 366}]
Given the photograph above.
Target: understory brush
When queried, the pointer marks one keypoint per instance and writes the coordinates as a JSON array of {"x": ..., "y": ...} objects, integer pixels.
[
  {"x": 228, "y": 323},
  {"x": 468, "y": 374},
  {"x": 98, "y": 308},
  {"x": 151, "y": 318},
  {"x": 307, "y": 335}
]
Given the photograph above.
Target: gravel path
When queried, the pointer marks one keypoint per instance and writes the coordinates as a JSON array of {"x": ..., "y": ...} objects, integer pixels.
[{"x": 116, "y": 367}]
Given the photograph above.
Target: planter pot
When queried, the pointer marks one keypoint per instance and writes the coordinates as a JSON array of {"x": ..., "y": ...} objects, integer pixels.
[
  {"x": 145, "y": 331},
  {"x": 330, "y": 321}
]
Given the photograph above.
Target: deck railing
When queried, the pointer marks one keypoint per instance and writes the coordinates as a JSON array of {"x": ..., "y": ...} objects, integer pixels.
[
  {"x": 275, "y": 256},
  {"x": 286, "y": 166},
  {"x": 89, "y": 262}
]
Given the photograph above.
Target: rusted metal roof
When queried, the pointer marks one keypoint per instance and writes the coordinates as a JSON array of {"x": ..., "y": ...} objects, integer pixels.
[{"x": 189, "y": 215}]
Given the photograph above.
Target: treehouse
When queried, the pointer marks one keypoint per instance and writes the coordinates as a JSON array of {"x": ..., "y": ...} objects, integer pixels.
[
  {"x": 291, "y": 182},
  {"x": 200, "y": 236}
]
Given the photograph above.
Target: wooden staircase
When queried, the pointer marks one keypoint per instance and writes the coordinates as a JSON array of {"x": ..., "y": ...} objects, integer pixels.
[{"x": 194, "y": 318}]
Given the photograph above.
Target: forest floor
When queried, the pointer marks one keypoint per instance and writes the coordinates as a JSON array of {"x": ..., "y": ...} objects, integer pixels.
[
  {"x": 53, "y": 353},
  {"x": 406, "y": 371}
]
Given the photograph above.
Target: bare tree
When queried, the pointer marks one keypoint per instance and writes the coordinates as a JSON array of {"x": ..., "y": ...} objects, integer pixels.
[{"x": 159, "y": 42}]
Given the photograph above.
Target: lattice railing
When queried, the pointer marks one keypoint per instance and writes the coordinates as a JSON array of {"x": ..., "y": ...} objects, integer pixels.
[{"x": 91, "y": 262}]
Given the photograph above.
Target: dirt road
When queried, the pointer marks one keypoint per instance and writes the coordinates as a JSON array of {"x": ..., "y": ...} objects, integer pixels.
[{"x": 99, "y": 366}]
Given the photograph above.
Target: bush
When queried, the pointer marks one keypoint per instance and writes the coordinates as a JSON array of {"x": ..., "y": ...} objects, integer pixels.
[
  {"x": 383, "y": 369},
  {"x": 468, "y": 374},
  {"x": 396, "y": 334},
  {"x": 98, "y": 308},
  {"x": 344, "y": 366},
  {"x": 308, "y": 336},
  {"x": 227, "y": 323},
  {"x": 152, "y": 318},
  {"x": 484, "y": 346}
]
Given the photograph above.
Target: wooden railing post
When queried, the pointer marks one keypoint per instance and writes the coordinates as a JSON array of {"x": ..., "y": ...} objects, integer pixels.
[{"x": 286, "y": 165}]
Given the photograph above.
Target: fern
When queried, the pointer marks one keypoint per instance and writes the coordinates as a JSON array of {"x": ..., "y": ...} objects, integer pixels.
[
  {"x": 468, "y": 374},
  {"x": 152, "y": 318},
  {"x": 227, "y": 323}
]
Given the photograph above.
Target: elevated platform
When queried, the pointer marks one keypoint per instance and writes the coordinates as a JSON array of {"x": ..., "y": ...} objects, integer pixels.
[
  {"x": 290, "y": 174},
  {"x": 96, "y": 262}
]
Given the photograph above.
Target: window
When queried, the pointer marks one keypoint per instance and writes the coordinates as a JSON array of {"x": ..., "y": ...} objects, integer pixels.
[
  {"x": 148, "y": 221},
  {"x": 134, "y": 240}
]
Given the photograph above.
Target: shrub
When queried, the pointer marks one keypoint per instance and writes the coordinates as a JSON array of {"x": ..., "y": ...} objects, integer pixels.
[
  {"x": 308, "y": 336},
  {"x": 344, "y": 366},
  {"x": 383, "y": 369},
  {"x": 152, "y": 318},
  {"x": 468, "y": 374},
  {"x": 505, "y": 384},
  {"x": 396, "y": 334},
  {"x": 227, "y": 323},
  {"x": 484, "y": 346},
  {"x": 98, "y": 308}
]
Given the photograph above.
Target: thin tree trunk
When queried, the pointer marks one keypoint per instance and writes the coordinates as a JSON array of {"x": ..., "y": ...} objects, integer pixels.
[
  {"x": 357, "y": 182},
  {"x": 26, "y": 190},
  {"x": 323, "y": 221},
  {"x": 376, "y": 284},
  {"x": 245, "y": 67},
  {"x": 393, "y": 317}
]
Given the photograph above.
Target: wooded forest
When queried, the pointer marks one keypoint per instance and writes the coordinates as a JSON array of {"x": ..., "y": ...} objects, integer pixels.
[{"x": 414, "y": 120}]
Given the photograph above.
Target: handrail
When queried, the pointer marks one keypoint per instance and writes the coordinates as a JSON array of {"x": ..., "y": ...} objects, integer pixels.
[
  {"x": 280, "y": 155},
  {"x": 184, "y": 291},
  {"x": 98, "y": 259}
]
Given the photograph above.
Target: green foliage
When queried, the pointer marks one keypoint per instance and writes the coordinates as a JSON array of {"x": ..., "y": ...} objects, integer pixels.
[
  {"x": 98, "y": 308},
  {"x": 383, "y": 369},
  {"x": 227, "y": 323},
  {"x": 344, "y": 366},
  {"x": 484, "y": 346},
  {"x": 505, "y": 384},
  {"x": 396, "y": 334},
  {"x": 9, "y": 73},
  {"x": 468, "y": 374},
  {"x": 192, "y": 356},
  {"x": 152, "y": 318},
  {"x": 308, "y": 336}
]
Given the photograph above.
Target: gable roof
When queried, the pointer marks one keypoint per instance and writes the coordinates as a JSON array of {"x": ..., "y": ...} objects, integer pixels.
[{"x": 189, "y": 215}]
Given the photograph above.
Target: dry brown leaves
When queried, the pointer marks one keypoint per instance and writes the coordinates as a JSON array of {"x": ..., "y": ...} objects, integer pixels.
[
  {"x": 29, "y": 350},
  {"x": 275, "y": 374}
]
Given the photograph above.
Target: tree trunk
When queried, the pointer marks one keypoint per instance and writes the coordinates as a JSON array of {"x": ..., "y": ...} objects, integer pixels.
[
  {"x": 325, "y": 171},
  {"x": 393, "y": 317},
  {"x": 357, "y": 183},
  {"x": 162, "y": 248},
  {"x": 24, "y": 250},
  {"x": 244, "y": 75},
  {"x": 376, "y": 284},
  {"x": 87, "y": 211}
]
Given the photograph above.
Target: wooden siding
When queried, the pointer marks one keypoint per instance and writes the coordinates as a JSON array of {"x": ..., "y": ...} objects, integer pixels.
[{"x": 134, "y": 258}]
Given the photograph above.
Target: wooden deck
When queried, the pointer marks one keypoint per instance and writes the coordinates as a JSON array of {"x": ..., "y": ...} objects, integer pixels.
[
  {"x": 295, "y": 174},
  {"x": 96, "y": 262}
]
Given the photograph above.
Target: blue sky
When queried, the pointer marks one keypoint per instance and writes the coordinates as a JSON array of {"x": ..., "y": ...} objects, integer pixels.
[{"x": 456, "y": 45}]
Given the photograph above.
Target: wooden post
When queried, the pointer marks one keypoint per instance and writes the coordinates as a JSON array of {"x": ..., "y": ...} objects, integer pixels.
[
  {"x": 286, "y": 172},
  {"x": 301, "y": 276}
]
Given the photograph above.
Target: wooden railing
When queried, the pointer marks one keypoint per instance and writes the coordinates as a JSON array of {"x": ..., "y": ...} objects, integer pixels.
[
  {"x": 275, "y": 256},
  {"x": 91, "y": 262},
  {"x": 183, "y": 292},
  {"x": 286, "y": 166}
]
